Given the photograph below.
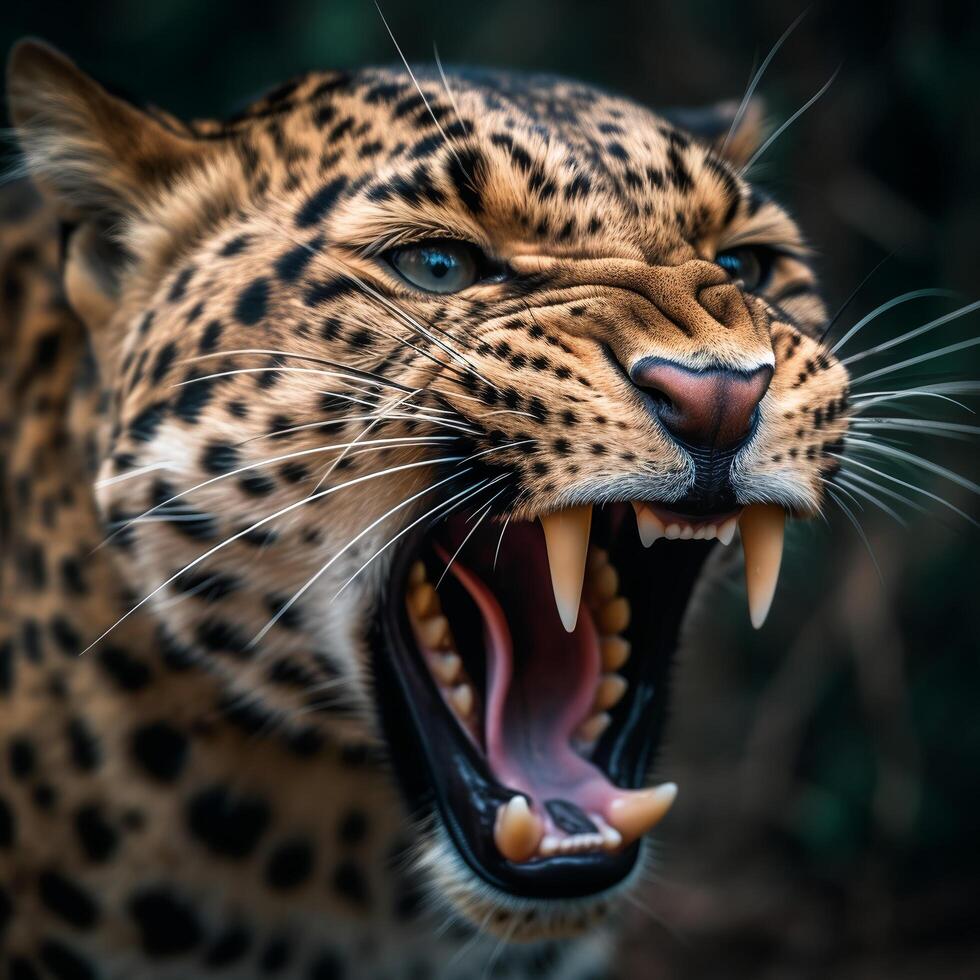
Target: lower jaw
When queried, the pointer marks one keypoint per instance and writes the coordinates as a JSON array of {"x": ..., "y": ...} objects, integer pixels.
[{"x": 443, "y": 772}]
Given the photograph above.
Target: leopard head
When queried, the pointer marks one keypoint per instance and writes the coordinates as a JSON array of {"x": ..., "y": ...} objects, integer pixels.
[{"x": 428, "y": 398}]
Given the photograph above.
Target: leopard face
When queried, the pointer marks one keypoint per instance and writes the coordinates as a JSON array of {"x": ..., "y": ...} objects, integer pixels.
[{"x": 429, "y": 398}]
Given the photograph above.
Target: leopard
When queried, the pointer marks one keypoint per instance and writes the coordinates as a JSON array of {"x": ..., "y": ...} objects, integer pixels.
[{"x": 362, "y": 457}]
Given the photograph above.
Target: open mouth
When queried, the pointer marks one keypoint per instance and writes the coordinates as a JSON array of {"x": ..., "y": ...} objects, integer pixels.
[{"x": 523, "y": 673}]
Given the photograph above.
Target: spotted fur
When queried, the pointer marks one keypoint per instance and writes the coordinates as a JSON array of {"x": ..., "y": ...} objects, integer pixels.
[{"x": 214, "y": 390}]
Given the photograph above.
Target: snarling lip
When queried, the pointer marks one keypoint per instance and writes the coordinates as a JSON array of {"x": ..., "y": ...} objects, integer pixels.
[{"x": 522, "y": 674}]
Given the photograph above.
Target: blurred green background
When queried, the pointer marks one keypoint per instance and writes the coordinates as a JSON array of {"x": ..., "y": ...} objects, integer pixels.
[{"x": 829, "y": 765}]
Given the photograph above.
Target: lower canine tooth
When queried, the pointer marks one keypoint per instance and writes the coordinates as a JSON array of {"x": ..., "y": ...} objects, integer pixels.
[
  {"x": 566, "y": 535},
  {"x": 650, "y": 526},
  {"x": 614, "y": 616},
  {"x": 615, "y": 652},
  {"x": 611, "y": 688},
  {"x": 762, "y": 527},
  {"x": 593, "y": 727},
  {"x": 634, "y": 813},
  {"x": 462, "y": 699},
  {"x": 517, "y": 831}
]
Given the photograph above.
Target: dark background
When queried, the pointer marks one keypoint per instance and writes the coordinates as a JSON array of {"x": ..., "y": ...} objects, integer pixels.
[{"x": 830, "y": 795}]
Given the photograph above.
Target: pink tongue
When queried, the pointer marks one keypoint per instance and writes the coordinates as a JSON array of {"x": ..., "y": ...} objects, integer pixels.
[{"x": 532, "y": 712}]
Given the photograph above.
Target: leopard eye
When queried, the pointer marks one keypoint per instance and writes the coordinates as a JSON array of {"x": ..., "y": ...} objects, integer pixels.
[
  {"x": 751, "y": 264},
  {"x": 438, "y": 266}
]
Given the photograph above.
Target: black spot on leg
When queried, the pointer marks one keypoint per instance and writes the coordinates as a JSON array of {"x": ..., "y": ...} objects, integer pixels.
[
  {"x": 252, "y": 302},
  {"x": 349, "y": 882},
  {"x": 67, "y": 900},
  {"x": 327, "y": 966},
  {"x": 64, "y": 962},
  {"x": 98, "y": 839},
  {"x": 160, "y": 750},
  {"x": 289, "y": 865},
  {"x": 167, "y": 924},
  {"x": 228, "y": 948}
]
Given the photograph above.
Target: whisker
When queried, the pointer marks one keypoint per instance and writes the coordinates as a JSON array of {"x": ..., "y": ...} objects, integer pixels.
[
  {"x": 469, "y": 534},
  {"x": 912, "y": 334},
  {"x": 756, "y": 78},
  {"x": 887, "y": 491},
  {"x": 892, "y": 368},
  {"x": 323, "y": 568},
  {"x": 418, "y": 88},
  {"x": 848, "y": 461},
  {"x": 265, "y": 520},
  {"x": 382, "y": 443},
  {"x": 860, "y": 530},
  {"x": 926, "y": 464},
  {"x": 500, "y": 541},
  {"x": 844, "y": 483},
  {"x": 111, "y": 481},
  {"x": 884, "y": 308},
  {"x": 952, "y": 430},
  {"x": 357, "y": 374},
  {"x": 789, "y": 122}
]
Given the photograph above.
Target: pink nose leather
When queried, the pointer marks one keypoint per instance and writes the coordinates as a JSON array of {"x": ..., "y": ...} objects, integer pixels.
[{"x": 714, "y": 408}]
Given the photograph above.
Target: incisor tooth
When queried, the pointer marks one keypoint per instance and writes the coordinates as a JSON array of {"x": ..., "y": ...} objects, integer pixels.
[
  {"x": 633, "y": 814},
  {"x": 614, "y": 616},
  {"x": 762, "y": 527},
  {"x": 615, "y": 652},
  {"x": 517, "y": 830},
  {"x": 672, "y": 531},
  {"x": 650, "y": 526},
  {"x": 462, "y": 699},
  {"x": 590, "y": 729},
  {"x": 566, "y": 534},
  {"x": 611, "y": 688},
  {"x": 434, "y": 632}
]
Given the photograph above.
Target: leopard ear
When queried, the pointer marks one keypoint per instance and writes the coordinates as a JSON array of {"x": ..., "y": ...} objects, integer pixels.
[
  {"x": 98, "y": 153},
  {"x": 735, "y": 132}
]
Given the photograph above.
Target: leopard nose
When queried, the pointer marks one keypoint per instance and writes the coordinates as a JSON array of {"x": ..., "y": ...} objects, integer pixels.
[{"x": 715, "y": 408}]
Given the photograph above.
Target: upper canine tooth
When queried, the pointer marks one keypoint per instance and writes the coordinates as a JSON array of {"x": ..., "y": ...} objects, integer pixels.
[
  {"x": 517, "y": 831},
  {"x": 566, "y": 535},
  {"x": 762, "y": 527},
  {"x": 634, "y": 813},
  {"x": 650, "y": 526}
]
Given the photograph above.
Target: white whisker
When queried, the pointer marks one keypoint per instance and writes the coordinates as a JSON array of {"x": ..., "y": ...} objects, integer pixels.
[{"x": 884, "y": 308}]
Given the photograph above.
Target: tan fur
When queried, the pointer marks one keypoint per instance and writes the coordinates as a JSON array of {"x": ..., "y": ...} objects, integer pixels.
[{"x": 623, "y": 264}]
